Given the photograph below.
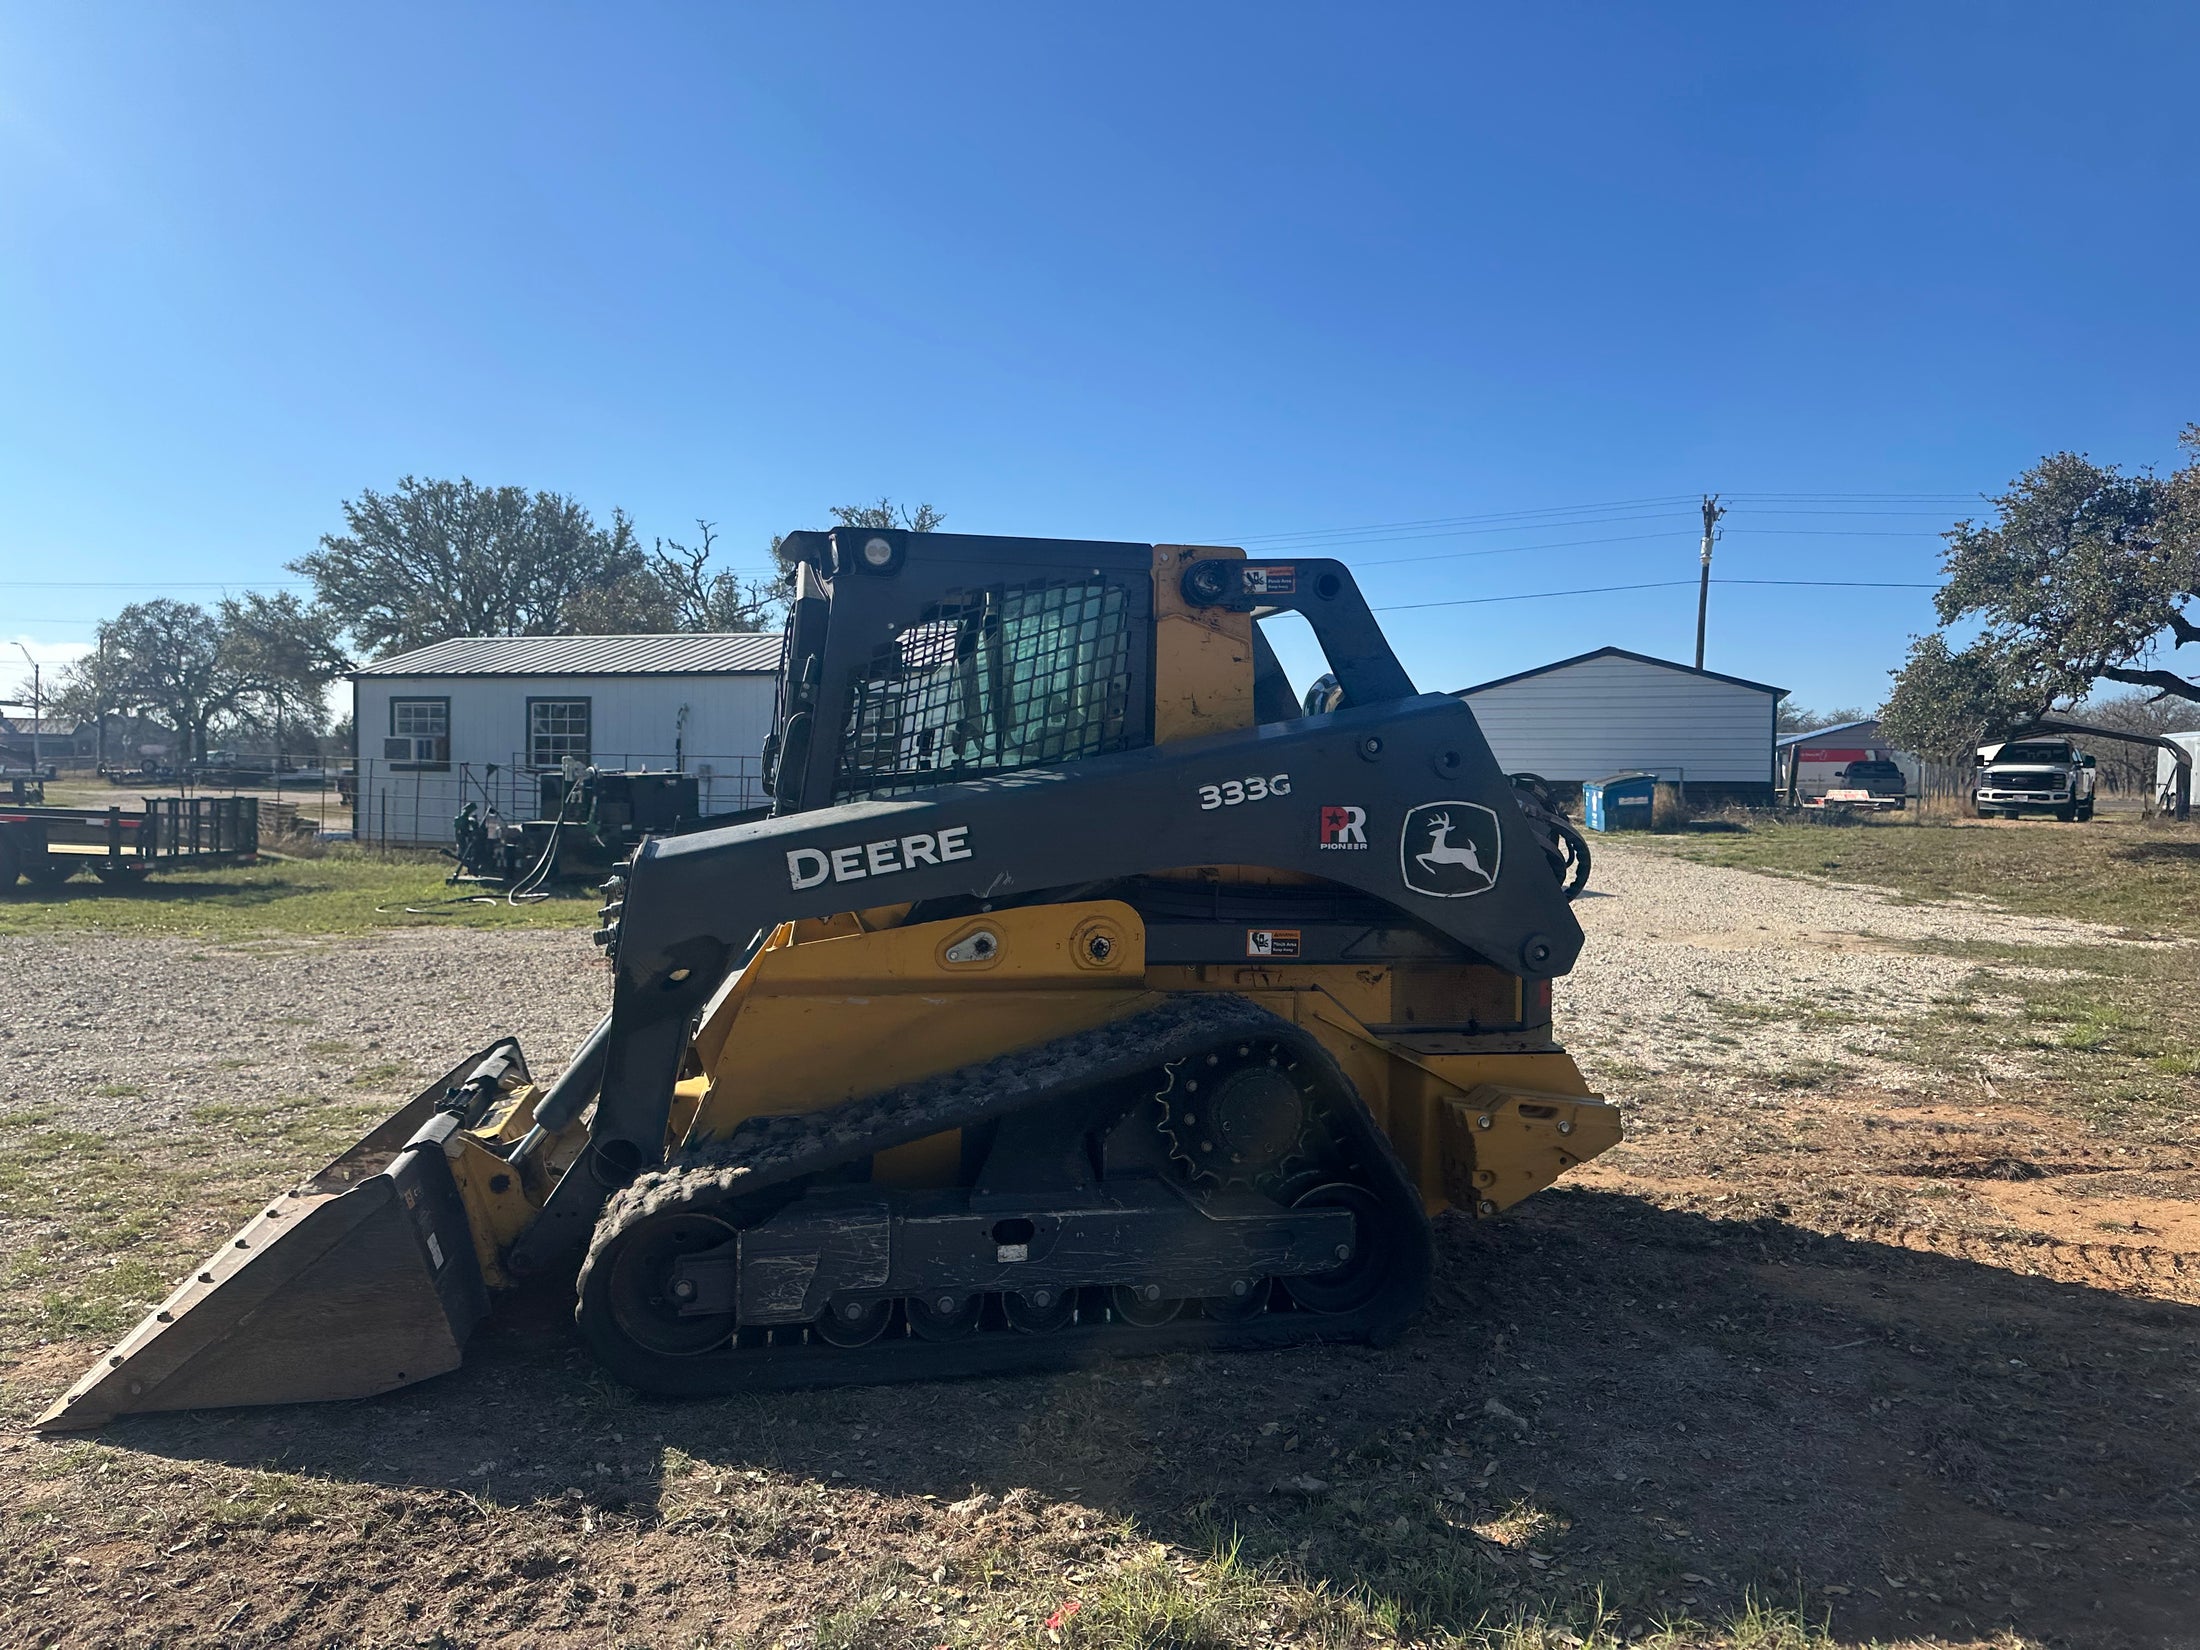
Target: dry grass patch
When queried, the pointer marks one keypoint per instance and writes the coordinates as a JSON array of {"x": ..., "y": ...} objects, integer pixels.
[
  {"x": 2139, "y": 875},
  {"x": 346, "y": 891}
]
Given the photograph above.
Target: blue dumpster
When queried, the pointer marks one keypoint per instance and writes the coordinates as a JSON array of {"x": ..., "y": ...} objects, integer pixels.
[{"x": 1619, "y": 802}]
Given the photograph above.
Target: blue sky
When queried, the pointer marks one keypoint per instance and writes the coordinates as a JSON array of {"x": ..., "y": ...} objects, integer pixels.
[{"x": 1392, "y": 284}]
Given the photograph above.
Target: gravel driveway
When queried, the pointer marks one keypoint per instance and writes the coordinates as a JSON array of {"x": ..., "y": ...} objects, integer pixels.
[
  {"x": 132, "y": 1033},
  {"x": 1697, "y": 966},
  {"x": 1680, "y": 959}
]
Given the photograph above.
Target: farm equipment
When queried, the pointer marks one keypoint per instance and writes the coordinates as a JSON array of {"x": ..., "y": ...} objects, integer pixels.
[
  {"x": 1084, "y": 994},
  {"x": 589, "y": 819},
  {"x": 50, "y": 845}
]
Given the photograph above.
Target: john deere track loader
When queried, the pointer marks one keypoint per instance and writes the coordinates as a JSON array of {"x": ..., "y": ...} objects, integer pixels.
[{"x": 1082, "y": 993}]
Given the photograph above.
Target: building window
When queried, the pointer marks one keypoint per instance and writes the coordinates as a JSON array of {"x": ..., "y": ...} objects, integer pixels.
[
  {"x": 420, "y": 734},
  {"x": 556, "y": 730}
]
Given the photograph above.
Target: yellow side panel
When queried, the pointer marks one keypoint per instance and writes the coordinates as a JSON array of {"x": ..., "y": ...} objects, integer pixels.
[
  {"x": 822, "y": 1021},
  {"x": 1202, "y": 656},
  {"x": 824, "y": 1014}
]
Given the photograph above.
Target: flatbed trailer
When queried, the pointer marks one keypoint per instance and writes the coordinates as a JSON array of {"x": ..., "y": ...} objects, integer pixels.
[
  {"x": 1856, "y": 800},
  {"x": 49, "y": 845}
]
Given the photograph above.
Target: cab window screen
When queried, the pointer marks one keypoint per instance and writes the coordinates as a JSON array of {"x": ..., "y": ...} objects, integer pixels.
[{"x": 1018, "y": 676}]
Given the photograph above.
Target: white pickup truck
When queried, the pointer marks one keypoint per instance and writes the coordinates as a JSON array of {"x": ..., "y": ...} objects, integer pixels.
[{"x": 2034, "y": 776}]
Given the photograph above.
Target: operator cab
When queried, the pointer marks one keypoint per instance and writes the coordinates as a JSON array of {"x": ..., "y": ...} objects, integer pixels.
[{"x": 921, "y": 659}]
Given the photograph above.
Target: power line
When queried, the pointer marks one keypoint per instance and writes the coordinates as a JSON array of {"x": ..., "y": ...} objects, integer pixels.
[
  {"x": 1322, "y": 546},
  {"x": 1842, "y": 532},
  {"x": 1509, "y": 550},
  {"x": 1862, "y": 498},
  {"x": 1836, "y": 584},
  {"x": 1462, "y": 521},
  {"x": 1535, "y": 595},
  {"x": 1449, "y": 523},
  {"x": 1658, "y": 584}
]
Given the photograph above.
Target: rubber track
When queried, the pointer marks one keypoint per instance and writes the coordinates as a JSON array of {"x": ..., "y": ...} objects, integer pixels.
[{"x": 763, "y": 1153}]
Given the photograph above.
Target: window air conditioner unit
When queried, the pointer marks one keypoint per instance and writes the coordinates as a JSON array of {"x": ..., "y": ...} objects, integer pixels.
[{"x": 405, "y": 749}]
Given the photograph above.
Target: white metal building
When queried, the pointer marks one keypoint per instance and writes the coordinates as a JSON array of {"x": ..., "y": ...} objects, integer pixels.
[
  {"x": 1613, "y": 711},
  {"x": 483, "y": 718}
]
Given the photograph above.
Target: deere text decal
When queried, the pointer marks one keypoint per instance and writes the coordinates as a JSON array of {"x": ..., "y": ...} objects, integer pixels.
[{"x": 807, "y": 867}]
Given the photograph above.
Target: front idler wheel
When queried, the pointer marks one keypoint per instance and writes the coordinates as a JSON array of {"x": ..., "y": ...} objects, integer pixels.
[
  {"x": 640, "y": 1295},
  {"x": 1360, "y": 1272}
]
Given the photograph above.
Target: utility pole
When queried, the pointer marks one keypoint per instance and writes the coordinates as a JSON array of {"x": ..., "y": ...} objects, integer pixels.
[
  {"x": 1711, "y": 514},
  {"x": 38, "y": 713},
  {"x": 103, "y": 699}
]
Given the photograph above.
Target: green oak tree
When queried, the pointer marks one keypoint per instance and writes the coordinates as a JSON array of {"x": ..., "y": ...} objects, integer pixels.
[
  {"x": 2084, "y": 574},
  {"x": 259, "y": 659},
  {"x": 435, "y": 559}
]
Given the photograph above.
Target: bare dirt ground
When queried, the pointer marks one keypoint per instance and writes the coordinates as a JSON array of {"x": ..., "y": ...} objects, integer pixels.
[{"x": 1884, "y": 1319}]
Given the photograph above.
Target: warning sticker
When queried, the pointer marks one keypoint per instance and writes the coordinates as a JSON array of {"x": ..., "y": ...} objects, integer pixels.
[
  {"x": 1271, "y": 942},
  {"x": 1271, "y": 581}
]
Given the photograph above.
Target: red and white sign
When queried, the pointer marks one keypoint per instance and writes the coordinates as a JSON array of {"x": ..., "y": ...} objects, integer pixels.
[{"x": 1343, "y": 828}]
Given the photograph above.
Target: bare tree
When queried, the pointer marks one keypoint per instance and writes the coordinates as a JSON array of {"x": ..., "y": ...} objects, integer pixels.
[{"x": 704, "y": 599}]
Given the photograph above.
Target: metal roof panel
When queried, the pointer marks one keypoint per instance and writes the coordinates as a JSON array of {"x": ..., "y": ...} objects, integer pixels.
[
  {"x": 1623, "y": 653},
  {"x": 744, "y": 653},
  {"x": 1831, "y": 731}
]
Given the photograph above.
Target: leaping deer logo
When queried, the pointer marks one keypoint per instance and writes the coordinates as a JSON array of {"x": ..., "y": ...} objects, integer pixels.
[
  {"x": 1450, "y": 850},
  {"x": 1443, "y": 851}
]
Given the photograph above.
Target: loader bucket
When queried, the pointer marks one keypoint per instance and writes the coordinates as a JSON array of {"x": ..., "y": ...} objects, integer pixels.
[{"x": 362, "y": 1279}]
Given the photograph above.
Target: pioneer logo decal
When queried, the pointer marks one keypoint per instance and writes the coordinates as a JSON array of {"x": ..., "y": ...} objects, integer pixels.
[
  {"x": 1343, "y": 830},
  {"x": 807, "y": 867},
  {"x": 1449, "y": 850}
]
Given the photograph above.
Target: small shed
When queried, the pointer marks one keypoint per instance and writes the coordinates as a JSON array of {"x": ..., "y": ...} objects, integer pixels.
[
  {"x": 1615, "y": 711},
  {"x": 1810, "y": 763},
  {"x": 481, "y": 718}
]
